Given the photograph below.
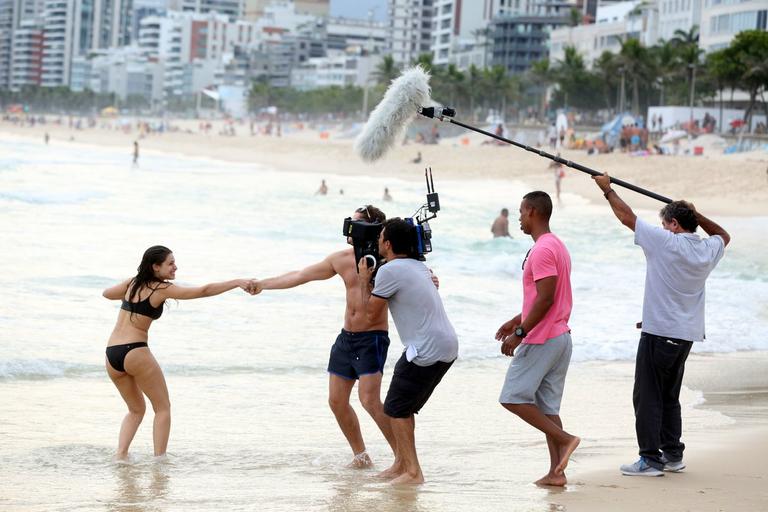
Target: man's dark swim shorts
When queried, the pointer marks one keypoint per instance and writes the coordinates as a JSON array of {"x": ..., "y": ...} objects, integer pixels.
[
  {"x": 358, "y": 353},
  {"x": 411, "y": 387}
]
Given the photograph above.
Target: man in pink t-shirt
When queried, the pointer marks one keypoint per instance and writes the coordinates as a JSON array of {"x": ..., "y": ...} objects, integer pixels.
[{"x": 533, "y": 388}]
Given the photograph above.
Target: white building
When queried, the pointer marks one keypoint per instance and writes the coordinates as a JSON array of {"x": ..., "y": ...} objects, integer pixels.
[
  {"x": 343, "y": 34},
  {"x": 58, "y": 36},
  {"x": 614, "y": 23},
  {"x": 26, "y": 64},
  {"x": 721, "y": 20},
  {"x": 254, "y": 9},
  {"x": 677, "y": 15},
  {"x": 337, "y": 70},
  {"x": 124, "y": 72},
  {"x": 233, "y": 9},
  {"x": 410, "y": 29},
  {"x": 457, "y": 24}
]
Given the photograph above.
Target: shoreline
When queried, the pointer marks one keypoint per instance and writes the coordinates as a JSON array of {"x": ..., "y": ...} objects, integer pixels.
[
  {"x": 727, "y": 185},
  {"x": 725, "y": 467}
]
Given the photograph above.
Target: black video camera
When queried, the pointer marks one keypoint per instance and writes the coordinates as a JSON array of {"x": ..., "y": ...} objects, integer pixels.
[
  {"x": 365, "y": 240},
  {"x": 365, "y": 235}
]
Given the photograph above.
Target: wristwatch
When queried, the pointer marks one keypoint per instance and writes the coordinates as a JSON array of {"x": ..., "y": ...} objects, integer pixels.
[{"x": 520, "y": 332}]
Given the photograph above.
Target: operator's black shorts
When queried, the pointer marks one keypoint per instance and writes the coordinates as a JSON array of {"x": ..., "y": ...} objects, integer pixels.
[
  {"x": 358, "y": 353},
  {"x": 411, "y": 387}
]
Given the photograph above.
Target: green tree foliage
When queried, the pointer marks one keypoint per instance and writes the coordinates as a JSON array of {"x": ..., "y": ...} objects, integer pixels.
[{"x": 57, "y": 99}]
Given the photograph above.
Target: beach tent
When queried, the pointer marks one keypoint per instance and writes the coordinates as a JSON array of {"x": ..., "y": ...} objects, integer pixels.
[
  {"x": 109, "y": 111},
  {"x": 611, "y": 130}
]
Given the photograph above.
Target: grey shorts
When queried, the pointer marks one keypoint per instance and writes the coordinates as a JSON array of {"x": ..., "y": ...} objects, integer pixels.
[{"x": 536, "y": 374}]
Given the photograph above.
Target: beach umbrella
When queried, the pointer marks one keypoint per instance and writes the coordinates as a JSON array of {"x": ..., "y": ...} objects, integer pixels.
[{"x": 673, "y": 135}]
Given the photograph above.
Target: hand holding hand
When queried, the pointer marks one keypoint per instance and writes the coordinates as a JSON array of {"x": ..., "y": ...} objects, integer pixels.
[{"x": 251, "y": 286}]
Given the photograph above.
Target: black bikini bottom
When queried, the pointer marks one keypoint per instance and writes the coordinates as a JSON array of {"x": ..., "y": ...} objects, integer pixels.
[{"x": 116, "y": 354}]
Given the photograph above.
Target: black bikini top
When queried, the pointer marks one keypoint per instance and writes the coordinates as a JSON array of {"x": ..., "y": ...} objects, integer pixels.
[{"x": 143, "y": 307}]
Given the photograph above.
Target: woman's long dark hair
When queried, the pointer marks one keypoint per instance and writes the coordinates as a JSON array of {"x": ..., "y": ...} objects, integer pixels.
[{"x": 155, "y": 255}]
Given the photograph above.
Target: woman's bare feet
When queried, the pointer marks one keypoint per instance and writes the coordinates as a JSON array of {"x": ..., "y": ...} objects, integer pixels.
[
  {"x": 565, "y": 453},
  {"x": 408, "y": 479},
  {"x": 361, "y": 461},
  {"x": 552, "y": 479}
]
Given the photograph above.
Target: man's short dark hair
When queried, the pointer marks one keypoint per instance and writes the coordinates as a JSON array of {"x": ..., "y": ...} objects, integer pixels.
[
  {"x": 371, "y": 214},
  {"x": 504, "y": 211},
  {"x": 682, "y": 213},
  {"x": 541, "y": 202},
  {"x": 400, "y": 234}
]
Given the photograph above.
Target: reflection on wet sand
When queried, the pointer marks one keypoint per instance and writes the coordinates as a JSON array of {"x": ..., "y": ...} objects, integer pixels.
[{"x": 140, "y": 487}]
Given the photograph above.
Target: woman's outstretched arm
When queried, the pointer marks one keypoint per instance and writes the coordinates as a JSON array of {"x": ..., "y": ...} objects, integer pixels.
[
  {"x": 196, "y": 292},
  {"x": 118, "y": 291}
]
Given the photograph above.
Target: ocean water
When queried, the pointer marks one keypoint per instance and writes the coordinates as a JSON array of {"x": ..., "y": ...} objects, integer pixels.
[{"x": 251, "y": 428}]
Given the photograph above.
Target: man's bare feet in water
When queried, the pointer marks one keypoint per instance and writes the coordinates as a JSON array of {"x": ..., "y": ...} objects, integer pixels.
[
  {"x": 408, "y": 479},
  {"x": 565, "y": 453},
  {"x": 361, "y": 461},
  {"x": 395, "y": 470},
  {"x": 552, "y": 479}
]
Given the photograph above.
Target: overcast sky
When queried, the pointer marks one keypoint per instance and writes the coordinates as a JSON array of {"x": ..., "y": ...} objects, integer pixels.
[{"x": 359, "y": 8}]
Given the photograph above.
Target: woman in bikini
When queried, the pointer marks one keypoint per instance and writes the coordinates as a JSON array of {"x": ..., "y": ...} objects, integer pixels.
[{"x": 130, "y": 364}]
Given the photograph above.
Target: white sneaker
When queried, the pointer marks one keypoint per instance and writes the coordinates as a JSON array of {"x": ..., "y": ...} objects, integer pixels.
[{"x": 640, "y": 468}]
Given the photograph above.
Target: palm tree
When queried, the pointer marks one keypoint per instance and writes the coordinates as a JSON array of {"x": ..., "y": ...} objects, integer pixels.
[
  {"x": 689, "y": 55},
  {"x": 606, "y": 67},
  {"x": 634, "y": 61},
  {"x": 386, "y": 71},
  {"x": 539, "y": 77},
  {"x": 473, "y": 79},
  {"x": 665, "y": 62}
]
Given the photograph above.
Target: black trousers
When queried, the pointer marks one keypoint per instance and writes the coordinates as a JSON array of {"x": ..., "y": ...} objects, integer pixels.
[{"x": 659, "y": 371}]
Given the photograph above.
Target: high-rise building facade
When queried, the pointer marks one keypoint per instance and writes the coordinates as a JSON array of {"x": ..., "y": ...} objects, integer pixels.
[{"x": 410, "y": 29}]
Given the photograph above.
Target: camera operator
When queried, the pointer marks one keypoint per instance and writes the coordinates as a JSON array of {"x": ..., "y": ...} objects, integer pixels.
[
  {"x": 431, "y": 345},
  {"x": 360, "y": 350}
]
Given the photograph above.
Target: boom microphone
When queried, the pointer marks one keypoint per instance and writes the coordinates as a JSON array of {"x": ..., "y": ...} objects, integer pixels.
[
  {"x": 406, "y": 97},
  {"x": 396, "y": 110}
]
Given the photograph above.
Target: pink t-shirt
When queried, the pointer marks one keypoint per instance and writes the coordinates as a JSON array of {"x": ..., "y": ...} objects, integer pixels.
[{"x": 548, "y": 257}]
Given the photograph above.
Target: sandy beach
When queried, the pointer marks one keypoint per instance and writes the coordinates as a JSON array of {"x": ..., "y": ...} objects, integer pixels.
[
  {"x": 715, "y": 183},
  {"x": 726, "y": 464}
]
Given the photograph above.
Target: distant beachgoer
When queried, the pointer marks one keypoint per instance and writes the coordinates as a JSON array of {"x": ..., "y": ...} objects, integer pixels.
[
  {"x": 417, "y": 160},
  {"x": 678, "y": 263},
  {"x": 323, "y": 190},
  {"x": 129, "y": 362},
  {"x": 534, "y": 384},
  {"x": 500, "y": 226},
  {"x": 341, "y": 191},
  {"x": 46, "y": 138},
  {"x": 559, "y": 174},
  {"x": 135, "y": 153},
  {"x": 562, "y": 136},
  {"x": 387, "y": 196},
  {"x": 552, "y": 136}
]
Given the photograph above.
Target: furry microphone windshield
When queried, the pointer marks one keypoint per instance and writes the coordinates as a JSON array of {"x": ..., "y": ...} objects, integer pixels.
[{"x": 400, "y": 104}]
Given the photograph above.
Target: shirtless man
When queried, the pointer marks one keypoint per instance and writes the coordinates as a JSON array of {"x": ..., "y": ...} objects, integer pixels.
[
  {"x": 500, "y": 226},
  {"x": 360, "y": 350}
]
